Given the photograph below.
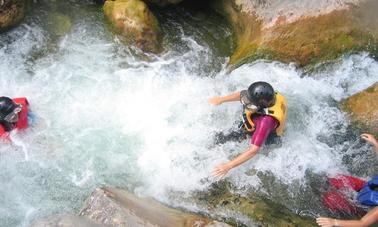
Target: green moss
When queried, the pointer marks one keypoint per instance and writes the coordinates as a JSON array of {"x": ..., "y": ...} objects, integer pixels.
[
  {"x": 363, "y": 109},
  {"x": 307, "y": 41},
  {"x": 254, "y": 206},
  {"x": 59, "y": 24},
  {"x": 108, "y": 8}
]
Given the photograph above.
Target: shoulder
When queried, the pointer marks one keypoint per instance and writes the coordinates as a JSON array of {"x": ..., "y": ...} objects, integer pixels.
[
  {"x": 264, "y": 119},
  {"x": 268, "y": 118},
  {"x": 21, "y": 100},
  {"x": 269, "y": 123}
]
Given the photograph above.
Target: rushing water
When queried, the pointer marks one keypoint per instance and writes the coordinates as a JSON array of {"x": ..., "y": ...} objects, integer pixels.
[{"x": 107, "y": 117}]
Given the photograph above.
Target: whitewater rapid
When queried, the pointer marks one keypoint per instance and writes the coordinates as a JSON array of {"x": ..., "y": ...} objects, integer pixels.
[{"x": 106, "y": 117}]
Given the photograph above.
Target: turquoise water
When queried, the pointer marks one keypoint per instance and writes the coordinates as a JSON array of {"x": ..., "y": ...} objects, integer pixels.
[{"x": 106, "y": 116}]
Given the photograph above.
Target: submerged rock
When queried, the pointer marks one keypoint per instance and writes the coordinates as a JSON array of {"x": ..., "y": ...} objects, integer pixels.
[
  {"x": 115, "y": 207},
  {"x": 11, "y": 13},
  {"x": 363, "y": 109},
  {"x": 58, "y": 23},
  {"x": 134, "y": 20},
  {"x": 64, "y": 221},
  {"x": 301, "y": 31},
  {"x": 253, "y": 206}
]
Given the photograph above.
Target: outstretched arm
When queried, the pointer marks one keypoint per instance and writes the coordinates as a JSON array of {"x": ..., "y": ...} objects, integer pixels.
[
  {"x": 370, "y": 139},
  {"x": 222, "y": 169},
  {"x": 370, "y": 218},
  {"x": 217, "y": 100}
]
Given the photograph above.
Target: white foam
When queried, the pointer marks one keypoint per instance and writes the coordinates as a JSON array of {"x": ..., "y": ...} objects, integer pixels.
[{"x": 106, "y": 118}]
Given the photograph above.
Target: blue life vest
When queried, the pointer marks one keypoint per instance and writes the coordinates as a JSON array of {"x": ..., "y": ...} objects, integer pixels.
[{"x": 368, "y": 195}]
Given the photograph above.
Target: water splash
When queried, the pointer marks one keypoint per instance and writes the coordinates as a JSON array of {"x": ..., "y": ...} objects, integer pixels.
[{"x": 106, "y": 117}]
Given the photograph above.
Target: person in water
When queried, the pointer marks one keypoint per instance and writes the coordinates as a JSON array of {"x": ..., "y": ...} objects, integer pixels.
[
  {"x": 13, "y": 115},
  {"x": 264, "y": 113},
  {"x": 367, "y": 195}
]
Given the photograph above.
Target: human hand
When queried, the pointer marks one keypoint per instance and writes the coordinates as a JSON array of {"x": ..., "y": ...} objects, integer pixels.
[
  {"x": 327, "y": 222},
  {"x": 220, "y": 171},
  {"x": 216, "y": 101},
  {"x": 369, "y": 138}
]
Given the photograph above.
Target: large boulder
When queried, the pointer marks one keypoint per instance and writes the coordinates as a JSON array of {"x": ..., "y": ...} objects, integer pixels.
[
  {"x": 135, "y": 22},
  {"x": 115, "y": 207},
  {"x": 11, "y": 13},
  {"x": 301, "y": 31},
  {"x": 363, "y": 109}
]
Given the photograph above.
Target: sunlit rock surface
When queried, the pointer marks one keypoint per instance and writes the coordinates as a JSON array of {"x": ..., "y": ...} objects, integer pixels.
[
  {"x": 115, "y": 207},
  {"x": 305, "y": 32},
  {"x": 134, "y": 20},
  {"x": 11, "y": 13},
  {"x": 363, "y": 109}
]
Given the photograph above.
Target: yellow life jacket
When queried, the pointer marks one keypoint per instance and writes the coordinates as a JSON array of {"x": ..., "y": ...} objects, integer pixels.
[{"x": 278, "y": 111}]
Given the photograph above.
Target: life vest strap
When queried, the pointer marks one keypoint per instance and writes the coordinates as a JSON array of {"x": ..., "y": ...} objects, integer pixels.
[{"x": 246, "y": 124}]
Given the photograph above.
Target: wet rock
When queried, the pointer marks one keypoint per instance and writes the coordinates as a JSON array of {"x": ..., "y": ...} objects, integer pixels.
[
  {"x": 65, "y": 221},
  {"x": 136, "y": 23},
  {"x": 11, "y": 13},
  {"x": 58, "y": 24},
  {"x": 363, "y": 109},
  {"x": 164, "y": 2},
  {"x": 217, "y": 224},
  {"x": 301, "y": 31},
  {"x": 255, "y": 207},
  {"x": 115, "y": 207}
]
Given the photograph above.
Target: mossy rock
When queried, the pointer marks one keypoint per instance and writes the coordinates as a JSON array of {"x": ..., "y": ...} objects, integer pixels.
[
  {"x": 164, "y": 2},
  {"x": 11, "y": 13},
  {"x": 363, "y": 109},
  {"x": 136, "y": 23},
  {"x": 58, "y": 23},
  {"x": 308, "y": 40},
  {"x": 257, "y": 208}
]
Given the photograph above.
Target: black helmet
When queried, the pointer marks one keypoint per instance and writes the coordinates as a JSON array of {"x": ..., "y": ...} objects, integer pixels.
[
  {"x": 6, "y": 106},
  {"x": 261, "y": 94}
]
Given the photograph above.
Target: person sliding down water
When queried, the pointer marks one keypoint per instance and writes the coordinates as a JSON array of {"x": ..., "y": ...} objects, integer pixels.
[
  {"x": 264, "y": 113},
  {"x": 367, "y": 195},
  {"x": 13, "y": 115}
]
